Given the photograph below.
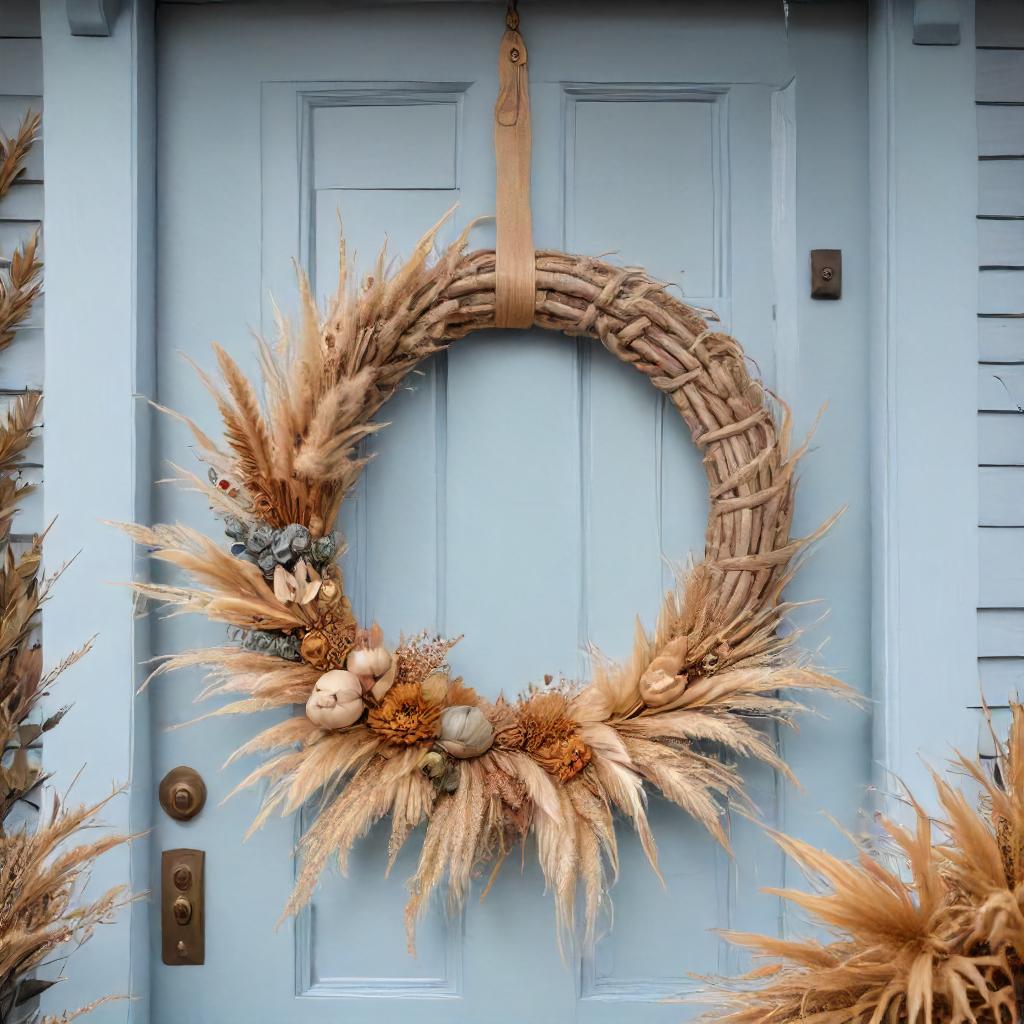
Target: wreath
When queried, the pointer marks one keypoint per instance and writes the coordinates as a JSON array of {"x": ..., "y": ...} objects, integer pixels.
[{"x": 391, "y": 731}]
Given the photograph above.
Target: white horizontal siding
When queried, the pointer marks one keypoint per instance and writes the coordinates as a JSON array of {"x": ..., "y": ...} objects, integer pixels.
[
  {"x": 1001, "y": 492},
  {"x": 1001, "y": 188},
  {"x": 21, "y": 213},
  {"x": 1001, "y": 242},
  {"x": 1000, "y": 439},
  {"x": 1000, "y": 384},
  {"x": 1001, "y": 340}
]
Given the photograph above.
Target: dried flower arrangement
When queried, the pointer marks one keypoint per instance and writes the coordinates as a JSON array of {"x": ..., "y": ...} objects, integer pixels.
[
  {"x": 390, "y": 731},
  {"x": 928, "y": 923},
  {"x": 44, "y": 863}
]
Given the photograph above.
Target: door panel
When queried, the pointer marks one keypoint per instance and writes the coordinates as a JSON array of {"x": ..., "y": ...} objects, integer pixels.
[{"x": 531, "y": 492}]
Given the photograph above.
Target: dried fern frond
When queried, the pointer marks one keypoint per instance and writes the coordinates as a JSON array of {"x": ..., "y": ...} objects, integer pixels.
[
  {"x": 23, "y": 285},
  {"x": 934, "y": 938}
]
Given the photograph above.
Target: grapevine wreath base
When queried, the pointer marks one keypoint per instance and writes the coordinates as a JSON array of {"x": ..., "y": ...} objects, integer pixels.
[{"x": 389, "y": 731}]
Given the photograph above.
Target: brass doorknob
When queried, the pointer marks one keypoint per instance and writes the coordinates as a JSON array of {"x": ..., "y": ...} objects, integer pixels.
[{"x": 182, "y": 793}]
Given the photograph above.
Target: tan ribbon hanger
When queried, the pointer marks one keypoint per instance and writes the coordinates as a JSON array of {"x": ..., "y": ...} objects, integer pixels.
[{"x": 515, "y": 271}]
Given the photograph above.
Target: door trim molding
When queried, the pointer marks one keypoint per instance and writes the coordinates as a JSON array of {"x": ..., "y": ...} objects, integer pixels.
[
  {"x": 923, "y": 205},
  {"x": 99, "y": 229},
  {"x": 100, "y": 185}
]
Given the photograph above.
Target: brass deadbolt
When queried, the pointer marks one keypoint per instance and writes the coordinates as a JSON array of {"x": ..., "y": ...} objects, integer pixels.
[
  {"x": 182, "y": 910},
  {"x": 182, "y": 793}
]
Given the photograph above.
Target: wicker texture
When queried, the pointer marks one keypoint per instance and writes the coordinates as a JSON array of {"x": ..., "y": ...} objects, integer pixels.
[{"x": 704, "y": 375}]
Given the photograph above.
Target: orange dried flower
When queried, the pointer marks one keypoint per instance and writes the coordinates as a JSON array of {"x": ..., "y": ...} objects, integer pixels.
[
  {"x": 565, "y": 758},
  {"x": 405, "y": 716},
  {"x": 550, "y": 736},
  {"x": 460, "y": 694}
]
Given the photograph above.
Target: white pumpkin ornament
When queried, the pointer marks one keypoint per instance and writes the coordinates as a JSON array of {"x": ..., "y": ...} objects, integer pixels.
[
  {"x": 465, "y": 731},
  {"x": 369, "y": 661},
  {"x": 336, "y": 700}
]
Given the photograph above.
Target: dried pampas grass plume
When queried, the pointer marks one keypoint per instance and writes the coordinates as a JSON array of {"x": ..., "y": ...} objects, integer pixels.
[{"x": 927, "y": 923}]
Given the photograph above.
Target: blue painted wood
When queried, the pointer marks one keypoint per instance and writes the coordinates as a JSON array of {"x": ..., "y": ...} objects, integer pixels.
[
  {"x": 500, "y": 495},
  {"x": 923, "y": 421},
  {"x": 99, "y": 224}
]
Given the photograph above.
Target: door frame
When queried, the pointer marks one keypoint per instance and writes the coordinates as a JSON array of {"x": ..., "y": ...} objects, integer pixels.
[{"x": 100, "y": 234}]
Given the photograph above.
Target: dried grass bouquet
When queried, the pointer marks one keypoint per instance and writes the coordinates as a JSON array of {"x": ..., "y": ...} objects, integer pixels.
[{"x": 927, "y": 924}]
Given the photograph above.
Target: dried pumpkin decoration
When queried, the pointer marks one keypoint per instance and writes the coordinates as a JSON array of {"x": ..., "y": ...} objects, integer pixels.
[{"x": 561, "y": 761}]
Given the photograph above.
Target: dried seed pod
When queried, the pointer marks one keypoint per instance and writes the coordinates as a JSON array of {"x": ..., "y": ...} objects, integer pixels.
[
  {"x": 330, "y": 593},
  {"x": 315, "y": 648},
  {"x": 285, "y": 585},
  {"x": 465, "y": 731},
  {"x": 658, "y": 688},
  {"x": 432, "y": 764},
  {"x": 664, "y": 680}
]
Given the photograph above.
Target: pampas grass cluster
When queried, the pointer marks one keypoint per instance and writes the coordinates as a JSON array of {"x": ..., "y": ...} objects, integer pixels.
[
  {"x": 45, "y": 854},
  {"x": 926, "y": 926},
  {"x": 564, "y": 763}
]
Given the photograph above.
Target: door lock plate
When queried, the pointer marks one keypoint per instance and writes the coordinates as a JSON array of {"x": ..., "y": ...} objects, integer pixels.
[
  {"x": 826, "y": 274},
  {"x": 181, "y": 907}
]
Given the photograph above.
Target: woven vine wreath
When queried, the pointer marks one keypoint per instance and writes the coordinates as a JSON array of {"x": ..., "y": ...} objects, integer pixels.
[{"x": 388, "y": 730}]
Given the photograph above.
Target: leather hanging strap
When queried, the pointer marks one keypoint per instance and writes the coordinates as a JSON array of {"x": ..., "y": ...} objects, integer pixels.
[{"x": 515, "y": 271}]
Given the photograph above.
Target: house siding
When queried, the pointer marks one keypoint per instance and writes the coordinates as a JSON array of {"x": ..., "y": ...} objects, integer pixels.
[
  {"x": 21, "y": 214},
  {"x": 1000, "y": 108}
]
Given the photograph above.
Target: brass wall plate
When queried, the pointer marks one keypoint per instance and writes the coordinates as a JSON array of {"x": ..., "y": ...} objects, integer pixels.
[
  {"x": 182, "y": 907},
  {"x": 182, "y": 793},
  {"x": 826, "y": 273}
]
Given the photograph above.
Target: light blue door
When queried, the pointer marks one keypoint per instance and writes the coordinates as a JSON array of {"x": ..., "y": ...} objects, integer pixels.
[{"x": 530, "y": 491}]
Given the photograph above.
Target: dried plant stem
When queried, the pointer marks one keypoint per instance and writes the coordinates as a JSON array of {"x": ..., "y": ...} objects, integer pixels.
[
  {"x": 15, "y": 149},
  {"x": 19, "y": 292}
]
